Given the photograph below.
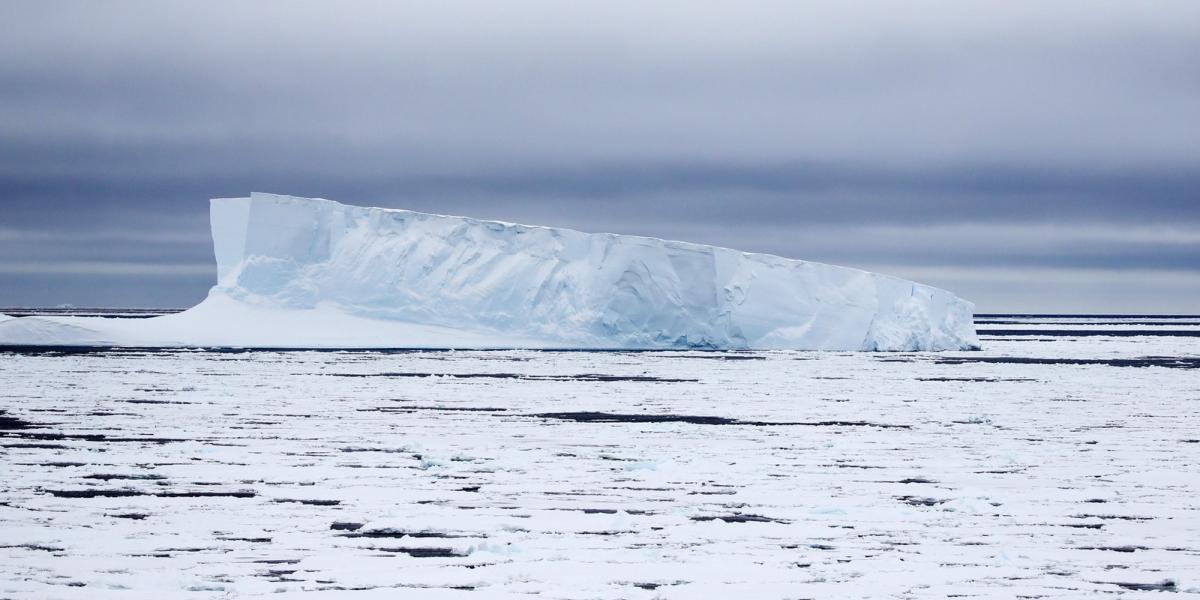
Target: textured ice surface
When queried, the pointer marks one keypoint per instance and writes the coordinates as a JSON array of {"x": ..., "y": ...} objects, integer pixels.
[
  {"x": 49, "y": 331},
  {"x": 331, "y": 275},
  {"x": 185, "y": 474}
]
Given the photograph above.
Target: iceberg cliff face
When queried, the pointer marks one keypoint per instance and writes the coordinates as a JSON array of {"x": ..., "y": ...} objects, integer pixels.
[{"x": 560, "y": 287}]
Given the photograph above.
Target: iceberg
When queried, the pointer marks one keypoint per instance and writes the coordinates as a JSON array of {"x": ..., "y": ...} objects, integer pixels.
[{"x": 311, "y": 273}]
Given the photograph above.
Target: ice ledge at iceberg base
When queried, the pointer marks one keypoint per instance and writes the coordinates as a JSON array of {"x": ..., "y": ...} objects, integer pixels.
[{"x": 301, "y": 272}]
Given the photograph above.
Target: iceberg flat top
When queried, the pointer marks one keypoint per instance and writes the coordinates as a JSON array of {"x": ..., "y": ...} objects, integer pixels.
[{"x": 301, "y": 272}]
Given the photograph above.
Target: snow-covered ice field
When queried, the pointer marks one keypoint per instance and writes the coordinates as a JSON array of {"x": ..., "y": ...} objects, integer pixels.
[{"x": 1046, "y": 465}]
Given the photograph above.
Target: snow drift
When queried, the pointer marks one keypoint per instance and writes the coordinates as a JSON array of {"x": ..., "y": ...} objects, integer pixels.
[{"x": 301, "y": 272}]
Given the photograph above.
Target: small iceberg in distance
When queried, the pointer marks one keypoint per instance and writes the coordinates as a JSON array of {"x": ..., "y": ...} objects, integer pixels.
[{"x": 312, "y": 273}]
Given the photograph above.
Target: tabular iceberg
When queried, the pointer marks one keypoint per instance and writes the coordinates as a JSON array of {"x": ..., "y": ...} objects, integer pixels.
[{"x": 302, "y": 272}]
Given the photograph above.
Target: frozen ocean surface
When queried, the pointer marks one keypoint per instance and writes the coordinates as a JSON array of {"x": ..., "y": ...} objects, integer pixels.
[{"x": 1049, "y": 465}]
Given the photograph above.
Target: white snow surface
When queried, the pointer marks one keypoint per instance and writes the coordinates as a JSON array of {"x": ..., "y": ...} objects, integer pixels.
[
  {"x": 185, "y": 474},
  {"x": 313, "y": 273}
]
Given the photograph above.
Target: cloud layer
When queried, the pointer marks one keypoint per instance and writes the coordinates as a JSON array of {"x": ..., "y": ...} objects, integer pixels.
[{"x": 947, "y": 140}]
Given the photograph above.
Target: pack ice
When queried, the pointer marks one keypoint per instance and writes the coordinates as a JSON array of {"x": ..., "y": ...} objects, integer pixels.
[{"x": 312, "y": 273}]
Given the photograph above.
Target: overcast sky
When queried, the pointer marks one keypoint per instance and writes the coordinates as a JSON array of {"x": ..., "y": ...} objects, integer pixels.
[{"x": 1027, "y": 155}]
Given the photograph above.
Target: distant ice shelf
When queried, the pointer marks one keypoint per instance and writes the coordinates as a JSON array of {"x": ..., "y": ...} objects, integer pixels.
[{"x": 312, "y": 273}]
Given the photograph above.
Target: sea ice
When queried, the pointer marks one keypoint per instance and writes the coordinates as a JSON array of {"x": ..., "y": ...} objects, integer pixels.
[{"x": 185, "y": 474}]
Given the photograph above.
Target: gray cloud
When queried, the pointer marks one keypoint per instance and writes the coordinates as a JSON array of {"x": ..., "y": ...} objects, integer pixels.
[{"x": 917, "y": 137}]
